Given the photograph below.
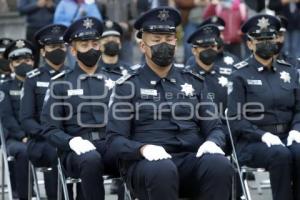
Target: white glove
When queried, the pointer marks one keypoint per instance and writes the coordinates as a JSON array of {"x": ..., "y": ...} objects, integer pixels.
[
  {"x": 153, "y": 152},
  {"x": 269, "y": 139},
  {"x": 294, "y": 136},
  {"x": 81, "y": 146},
  {"x": 209, "y": 147}
]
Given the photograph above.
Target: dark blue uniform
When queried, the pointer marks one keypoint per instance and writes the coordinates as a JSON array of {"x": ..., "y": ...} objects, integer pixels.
[
  {"x": 114, "y": 71},
  {"x": 40, "y": 152},
  {"x": 11, "y": 92},
  {"x": 143, "y": 106},
  {"x": 81, "y": 110},
  {"x": 278, "y": 91}
]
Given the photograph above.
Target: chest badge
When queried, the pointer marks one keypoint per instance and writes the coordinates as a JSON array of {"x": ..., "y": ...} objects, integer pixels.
[
  {"x": 285, "y": 76},
  {"x": 187, "y": 89},
  {"x": 223, "y": 81},
  {"x": 110, "y": 84},
  {"x": 228, "y": 60}
]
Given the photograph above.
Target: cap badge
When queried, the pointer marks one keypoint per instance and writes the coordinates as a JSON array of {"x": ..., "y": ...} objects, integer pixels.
[
  {"x": 163, "y": 15},
  {"x": 88, "y": 23},
  {"x": 20, "y": 44},
  {"x": 263, "y": 23}
]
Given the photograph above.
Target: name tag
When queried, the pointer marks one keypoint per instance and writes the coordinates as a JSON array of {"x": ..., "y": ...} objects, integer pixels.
[
  {"x": 226, "y": 71},
  {"x": 15, "y": 92},
  {"x": 75, "y": 92},
  {"x": 150, "y": 92},
  {"x": 42, "y": 84},
  {"x": 254, "y": 82}
]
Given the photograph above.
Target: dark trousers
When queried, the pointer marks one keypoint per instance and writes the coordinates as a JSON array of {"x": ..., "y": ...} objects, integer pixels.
[
  {"x": 19, "y": 151},
  {"x": 205, "y": 178},
  {"x": 42, "y": 154},
  {"x": 283, "y": 165}
]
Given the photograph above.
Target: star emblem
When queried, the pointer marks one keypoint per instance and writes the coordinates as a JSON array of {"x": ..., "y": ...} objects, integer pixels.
[
  {"x": 109, "y": 24},
  {"x": 263, "y": 23},
  {"x": 163, "y": 15},
  {"x": 187, "y": 89},
  {"x": 285, "y": 76},
  {"x": 55, "y": 29},
  {"x": 223, "y": 81},
  {"x": 88, "y": 23},
  {"x": 110, "y": 84},
  {"x": 228, "y": 60},
  {"x": 6, "y": 42},
  {"x": 20, "y": 44}
]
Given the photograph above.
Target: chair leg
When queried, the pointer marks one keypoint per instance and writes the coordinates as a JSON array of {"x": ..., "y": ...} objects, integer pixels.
[
  {"x": 29, "y": 182},
  {"x": 59, "y": 185},
  {"x": 62, "y": 180},
  {"x": 3, "y": 177},
  {"x": 36, "y": 183}
]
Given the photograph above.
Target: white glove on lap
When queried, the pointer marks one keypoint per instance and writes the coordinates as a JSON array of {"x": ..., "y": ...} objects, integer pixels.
[
  {"x": 209, "y": 147},
  {"x": 294, "y": 136},
  {"x": 81, "y": 146},
  {"x": 269, "y": 139},
  {"x": 154, "y": 152}
]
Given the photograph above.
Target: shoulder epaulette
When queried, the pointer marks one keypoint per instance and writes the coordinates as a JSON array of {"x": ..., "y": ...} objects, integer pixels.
[
  {"x": 33, "y": 73},
  {"x": 135, "y": 67},
  {"x": 124, "y": 78},
  {"x": 198, "y": 76},
  {"x": 61, "y": 74},
  {"x": 240, "y": 65},
  {"x": 283, "y": 62},
  {"x": 178, "y": 65}
]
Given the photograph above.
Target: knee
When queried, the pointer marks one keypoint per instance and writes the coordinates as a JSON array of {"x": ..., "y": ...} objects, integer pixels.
[
  {"x": 217, "y": 166},
  {"x": 91, "y": 161},
  {"x": 280, "y": 154},
  {"x": 164, "y": 170}
]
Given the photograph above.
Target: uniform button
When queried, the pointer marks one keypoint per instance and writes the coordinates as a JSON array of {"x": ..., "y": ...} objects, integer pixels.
[{"x": 163, "y": 79}]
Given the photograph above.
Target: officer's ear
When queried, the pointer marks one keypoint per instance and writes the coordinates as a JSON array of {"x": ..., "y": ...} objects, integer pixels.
[
  {"x": 250, "y": 44},
  {"x": 142, "y": 46},
  {"x": 194, "y": 51},
  {"x": 12, "y": 69},
  {"x": 73, "y": 49},
  {"x": 43, "y": 52}
]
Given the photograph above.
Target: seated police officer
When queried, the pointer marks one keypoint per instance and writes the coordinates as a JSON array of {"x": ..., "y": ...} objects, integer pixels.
[
  {"x": 165, "y": 150},
  {"x": 205, "y": 51},
  {"x": 40, "y": 152},
  {"x": 111, "y": 44},
  {"x": 20, "y": 55},
  {"x": 75, "y": 112},
  {"x": 224, "y": 58},
  {"x": 4, "y": 63},
  {"x": 264, "y": 109}
]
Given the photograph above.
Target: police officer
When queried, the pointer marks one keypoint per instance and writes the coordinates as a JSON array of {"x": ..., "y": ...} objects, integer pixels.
[
  {"x": 20, "y": 55},
  {"x": 40, "y": 152},
  {"x": 75, "y": 111},
  {"x": 111, "y": 45},
  {"x": 224, "y": 58},
  {"x": 4, "y": 64},
  {"x": 264, "y": 108},
  {"x": 152, "y": 127},
  {"x": 205, "y": 51}
]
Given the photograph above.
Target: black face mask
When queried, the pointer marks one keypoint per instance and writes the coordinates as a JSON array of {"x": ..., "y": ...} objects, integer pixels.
[
  {"x": 265, "y": 50},
  {"x": 57, "y": 56},
  {"x": 208, "y": 56},
  {"x": 4, "y": 65},
  {"x": 279, "y": 46},
  {"x": 111, "y": 48},
  {"x": 23, "y": 69},
  {"x": 162, "y": 54},
  {"x": 89, "y": 58}
]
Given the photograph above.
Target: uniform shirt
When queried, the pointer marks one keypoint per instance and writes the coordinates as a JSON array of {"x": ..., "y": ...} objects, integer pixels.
[
  {"x": 147, "y": 109},
  {"x": 5, "y": 78},
  {"x": 216, "y": 81},
  {"x": 224, "y": 59},
  {"x": 277, "y": 90},
  {"x": 114, "y": 71},
  {"x": 10, "y": 96},
  {"x": 77, "y": 105},
  {"x": 35, "y": 87}
]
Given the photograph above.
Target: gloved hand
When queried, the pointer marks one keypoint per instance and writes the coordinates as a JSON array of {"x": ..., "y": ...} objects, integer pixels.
[
  {"x": 294, "y": 136},
  {"x": 209, "y": 147},
  {"x": 269, "y": 139},
  {"x": 154, "y": 152},
  {"x": 81, "y": 146}
]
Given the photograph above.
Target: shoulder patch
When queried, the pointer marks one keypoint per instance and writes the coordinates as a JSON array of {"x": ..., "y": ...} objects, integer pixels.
[
  {"x": 33, "y": 73},
  {"x": 198, "y": 76},
  {"x": 124, "y": 78},
  {"x": 240, "y": 65},
  {"x": 283, "y": 62},
  {"x": 135, "y": 67},
  {"x": 61, "y": 74},
  {"x": 178, "y": 65}
]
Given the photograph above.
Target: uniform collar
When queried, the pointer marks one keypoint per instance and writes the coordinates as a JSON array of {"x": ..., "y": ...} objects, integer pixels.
[
  {"x": 98, "y": 73},
  {"x": 201, "y": 71},
  {"x": 52, "y": 71},
  {"x": 152, "y": 78},
  {"x": 259, "y": 67}
]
